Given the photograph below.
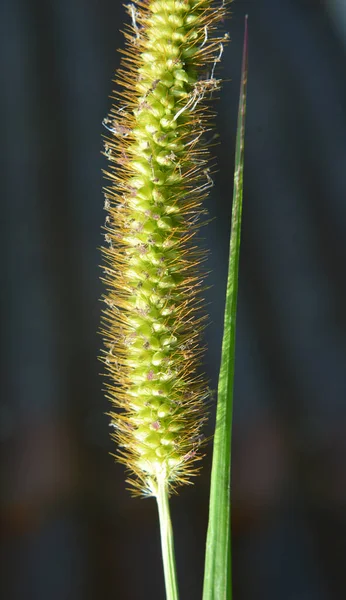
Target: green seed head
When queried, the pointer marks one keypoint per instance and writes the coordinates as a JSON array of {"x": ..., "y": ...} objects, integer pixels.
[{"x": 159, "y": 177}]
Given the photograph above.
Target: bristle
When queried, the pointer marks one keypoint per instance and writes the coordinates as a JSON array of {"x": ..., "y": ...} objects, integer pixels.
[{"x": 159, "y": 177}]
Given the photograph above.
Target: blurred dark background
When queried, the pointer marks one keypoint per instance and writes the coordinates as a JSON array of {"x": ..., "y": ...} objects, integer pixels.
[{"x": 69, "y": 528}]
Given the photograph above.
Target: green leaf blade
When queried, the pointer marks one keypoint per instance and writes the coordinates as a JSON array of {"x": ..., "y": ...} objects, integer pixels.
[{"x": 217, "y": 574}]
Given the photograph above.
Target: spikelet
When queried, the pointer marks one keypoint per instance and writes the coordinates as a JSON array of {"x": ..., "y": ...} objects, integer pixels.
[{"x": 159, "y": 177}]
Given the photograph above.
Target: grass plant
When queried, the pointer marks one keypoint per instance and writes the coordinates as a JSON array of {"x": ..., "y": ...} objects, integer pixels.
[{"x": 159, "y": 175}]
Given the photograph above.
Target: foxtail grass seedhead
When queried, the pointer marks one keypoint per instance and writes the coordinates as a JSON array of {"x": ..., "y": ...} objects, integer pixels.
[{"x": 159, "y": 177}]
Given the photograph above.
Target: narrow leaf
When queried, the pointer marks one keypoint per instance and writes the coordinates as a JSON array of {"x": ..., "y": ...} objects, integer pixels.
[{"x": 217, "y": 575}]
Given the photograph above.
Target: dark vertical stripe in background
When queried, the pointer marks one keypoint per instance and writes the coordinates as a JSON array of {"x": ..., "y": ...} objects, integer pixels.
[{"x": 69, "y": 529}]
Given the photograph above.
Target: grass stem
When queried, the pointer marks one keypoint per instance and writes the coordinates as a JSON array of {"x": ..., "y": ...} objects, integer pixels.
[{"x": 167, "y": 544}]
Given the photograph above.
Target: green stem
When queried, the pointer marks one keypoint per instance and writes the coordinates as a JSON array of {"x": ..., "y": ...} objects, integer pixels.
[{"x": 167, "y": 544}]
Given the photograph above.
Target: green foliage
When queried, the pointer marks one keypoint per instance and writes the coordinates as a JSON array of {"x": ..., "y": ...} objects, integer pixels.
[{"x": 217, "y": 576}]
